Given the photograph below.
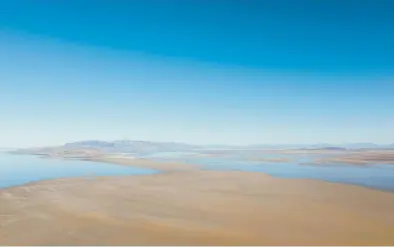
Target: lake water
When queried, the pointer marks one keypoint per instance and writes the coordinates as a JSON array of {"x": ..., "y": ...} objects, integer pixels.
[
  {"x": 377, "y": 176},
  {"x": 21, "y": 169}
]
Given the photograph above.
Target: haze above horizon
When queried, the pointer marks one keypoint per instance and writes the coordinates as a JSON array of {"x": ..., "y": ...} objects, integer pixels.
[{"x": 201, "y": 72}]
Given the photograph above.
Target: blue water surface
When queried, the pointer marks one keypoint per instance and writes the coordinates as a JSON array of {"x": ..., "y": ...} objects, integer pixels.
[
  {"x": 21, "y": 169},
  {"x": 18, "y": 169},
  {"x": 376, "y": 176}
]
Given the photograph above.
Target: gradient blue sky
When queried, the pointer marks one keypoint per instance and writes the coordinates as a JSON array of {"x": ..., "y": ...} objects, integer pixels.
[{"x": 235, "y": 72}]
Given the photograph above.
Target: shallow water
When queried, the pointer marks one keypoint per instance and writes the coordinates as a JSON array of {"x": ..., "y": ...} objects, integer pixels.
[
  {"x": 168, "y": 154},
  {"x": 18, "y": 169},
  {"x": 21, "y": 169},
  {"x": 377, "y": 176}
]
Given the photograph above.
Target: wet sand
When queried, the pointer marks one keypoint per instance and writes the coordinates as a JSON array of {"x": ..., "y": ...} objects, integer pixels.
[
  {"x": 194, "y": 207},
  {"x": 279, "y": 160},
  {"x": 169, "y": 166},
  {"x": 353, "y": 157},
  {"x": 366, "y": 157}
]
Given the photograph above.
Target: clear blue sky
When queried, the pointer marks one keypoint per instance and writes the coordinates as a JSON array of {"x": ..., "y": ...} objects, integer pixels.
[{"x": 236, "y": 72}]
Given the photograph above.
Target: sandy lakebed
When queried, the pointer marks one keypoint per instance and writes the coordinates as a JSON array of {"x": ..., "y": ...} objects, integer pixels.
[{"x": 184, "y": 205}]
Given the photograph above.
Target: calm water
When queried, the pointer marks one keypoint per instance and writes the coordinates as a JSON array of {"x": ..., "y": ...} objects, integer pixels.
[
  {"x": 17, "y": 169},
  {"x": 21, "y": 169},
  {"x": 376, "y": 176}
]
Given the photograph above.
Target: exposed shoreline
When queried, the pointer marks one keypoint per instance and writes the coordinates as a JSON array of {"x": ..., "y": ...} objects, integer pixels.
[
  {"x": 185, "y": 205},
  {"x": 190, "y": 206},
  {"x": 199, "y": 207},
  {"x": 171, "y": 167},
  {"x": 162, "y": 166}
]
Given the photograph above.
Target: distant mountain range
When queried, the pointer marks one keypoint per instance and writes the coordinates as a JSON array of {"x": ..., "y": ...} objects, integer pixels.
[
  {"x": 327, "y": 146},
  {"x": 137, "y": 147},
  {"x": 147, "y": 147}
]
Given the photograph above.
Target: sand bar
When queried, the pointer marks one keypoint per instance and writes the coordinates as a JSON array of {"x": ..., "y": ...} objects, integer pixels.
[{"x": 195, "y": 208}]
